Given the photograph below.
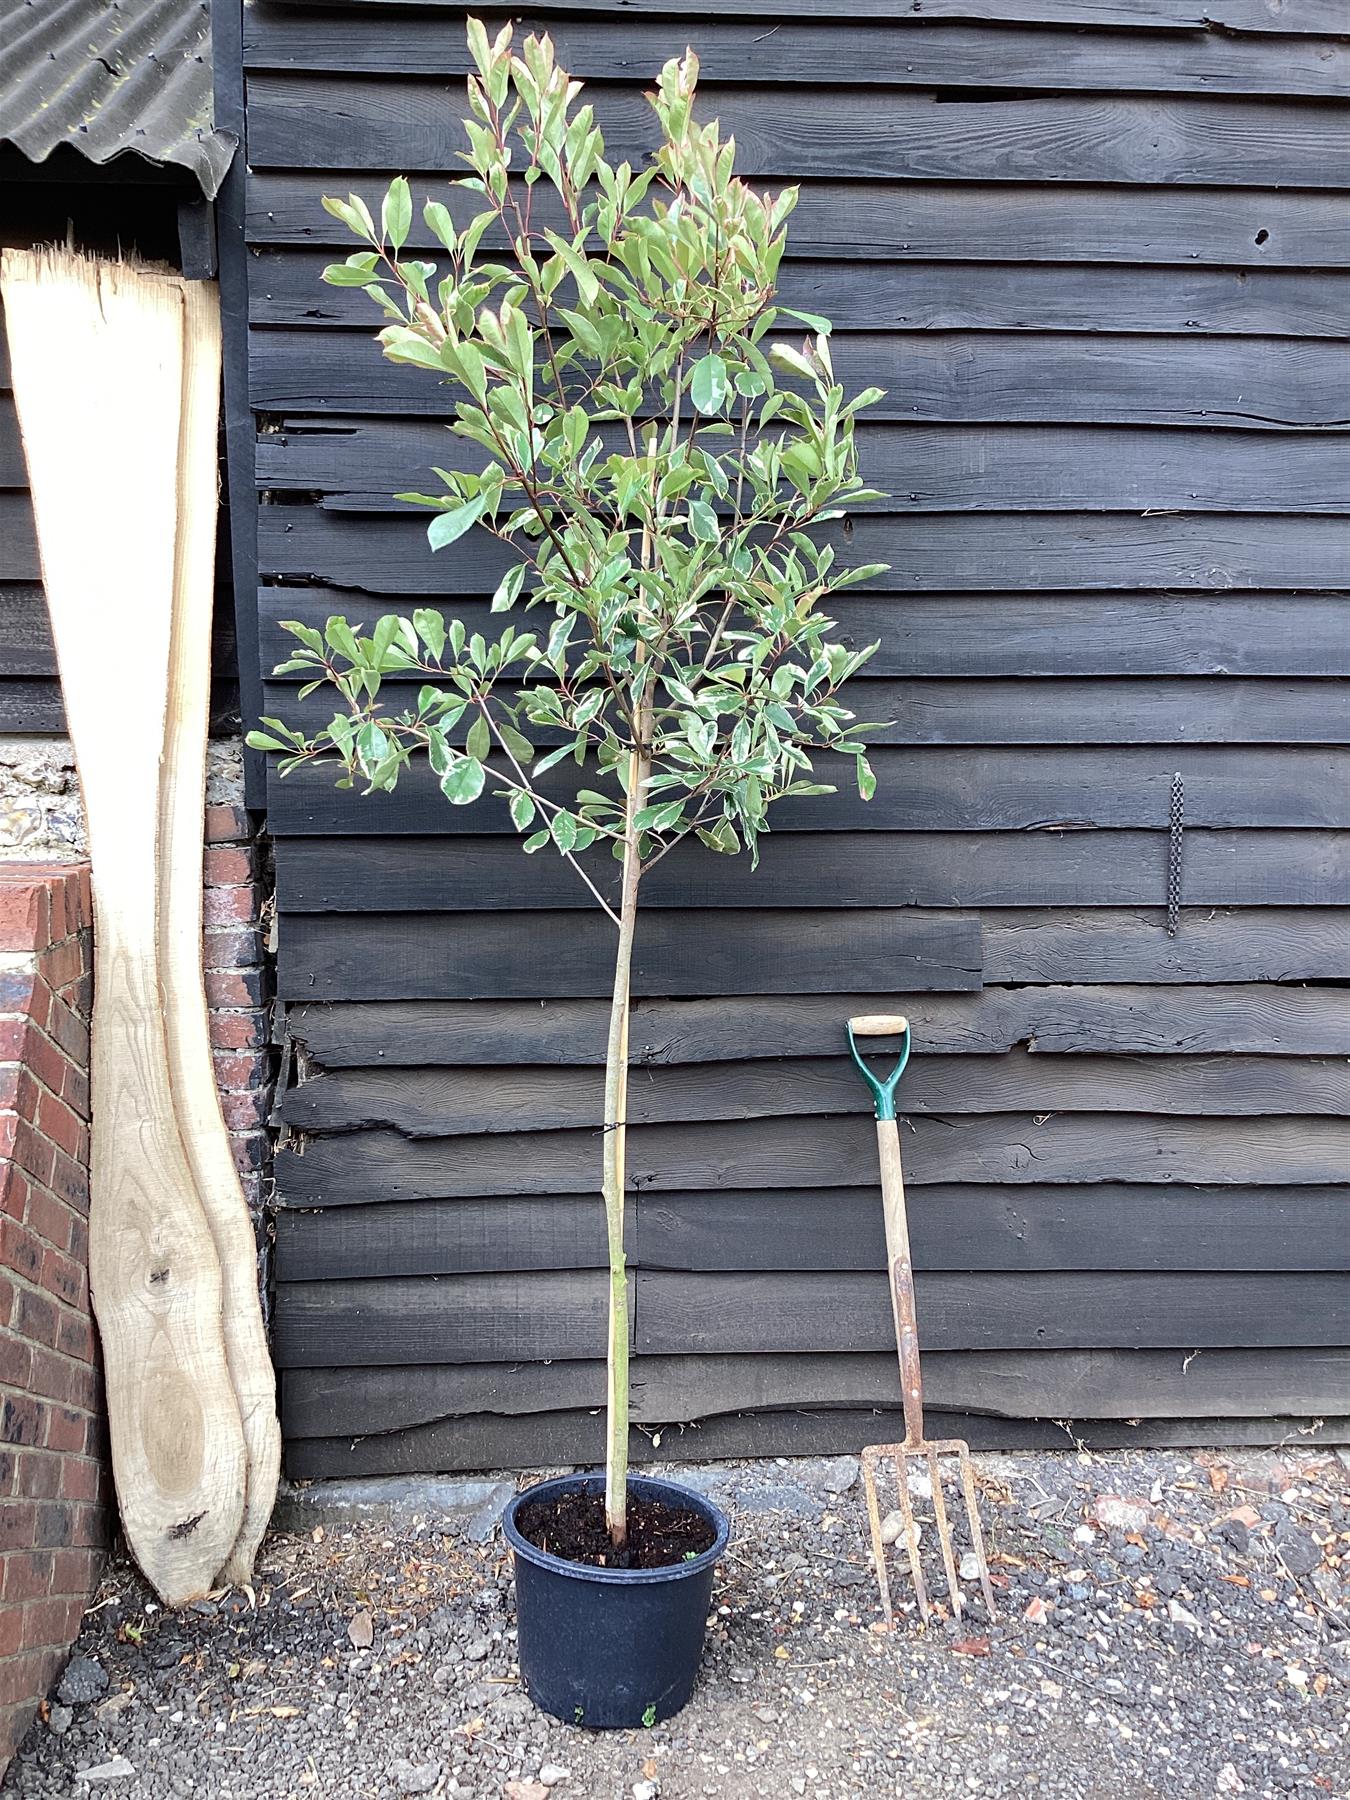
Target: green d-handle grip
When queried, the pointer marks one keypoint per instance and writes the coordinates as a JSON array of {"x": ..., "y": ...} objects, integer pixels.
[{"x": 880, "y": 1025}]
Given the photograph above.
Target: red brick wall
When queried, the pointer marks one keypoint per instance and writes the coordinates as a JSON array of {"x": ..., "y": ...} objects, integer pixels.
[
  {"x": 54, "y": 1494},
  {"x": 53, "y": 1489}
]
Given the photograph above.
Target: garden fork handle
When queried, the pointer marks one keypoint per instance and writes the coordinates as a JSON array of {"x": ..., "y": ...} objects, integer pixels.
[{"x": 900, "y": 1267}]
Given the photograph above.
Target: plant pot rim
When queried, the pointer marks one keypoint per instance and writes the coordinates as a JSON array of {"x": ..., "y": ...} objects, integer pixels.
[{"x": 559, "y": 1565}]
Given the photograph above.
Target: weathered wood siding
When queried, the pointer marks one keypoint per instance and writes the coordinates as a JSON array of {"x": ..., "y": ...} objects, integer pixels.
[{"x": 1098, "y": 253}]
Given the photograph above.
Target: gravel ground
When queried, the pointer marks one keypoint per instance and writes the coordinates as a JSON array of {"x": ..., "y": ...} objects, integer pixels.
[{"x": 1170, "y": 1623}]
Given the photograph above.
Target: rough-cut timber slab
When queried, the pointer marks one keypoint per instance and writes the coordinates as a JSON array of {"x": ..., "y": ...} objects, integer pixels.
[
  {"x": 182, "y": 800},
  {"x": 107, "y": 502},
  {"x": 1298, "y": 1021},
  {"x": 1050, "y": 1384},
  {"x": 830, "y": 1152},
  {"x": 980, "y": 1226},
  {"x": 432, "y": 1103}
]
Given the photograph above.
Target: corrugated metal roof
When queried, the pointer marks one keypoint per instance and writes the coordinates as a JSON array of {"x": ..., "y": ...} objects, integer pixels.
[{"x": 111, "y": 76}]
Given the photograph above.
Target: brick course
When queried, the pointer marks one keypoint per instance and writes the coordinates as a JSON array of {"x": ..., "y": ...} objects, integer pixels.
[{"x": 55, "y": 1493}]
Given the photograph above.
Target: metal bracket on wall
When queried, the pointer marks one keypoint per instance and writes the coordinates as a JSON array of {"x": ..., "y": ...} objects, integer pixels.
[{"x": 1174, "y": 855}]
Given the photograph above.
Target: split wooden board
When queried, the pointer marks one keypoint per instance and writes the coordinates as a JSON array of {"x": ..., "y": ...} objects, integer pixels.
[{"x": 116, "y": 376}]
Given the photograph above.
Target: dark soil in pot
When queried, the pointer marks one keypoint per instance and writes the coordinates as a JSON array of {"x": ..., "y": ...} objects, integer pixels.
[
  {"x": 572, "y": 1526},
  {"x": 600, "y": 1645}
]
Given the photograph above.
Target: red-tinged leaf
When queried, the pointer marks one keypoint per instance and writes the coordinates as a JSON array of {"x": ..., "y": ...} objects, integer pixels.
[{"x": 977, "y": 1646}]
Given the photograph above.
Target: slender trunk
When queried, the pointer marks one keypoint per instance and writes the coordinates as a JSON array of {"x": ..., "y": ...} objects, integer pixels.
[{"x": 615, "y": 1121}]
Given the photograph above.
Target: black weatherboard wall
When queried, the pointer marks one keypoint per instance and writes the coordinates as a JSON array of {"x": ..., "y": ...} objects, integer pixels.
[{"x": 1096, "y": 253}]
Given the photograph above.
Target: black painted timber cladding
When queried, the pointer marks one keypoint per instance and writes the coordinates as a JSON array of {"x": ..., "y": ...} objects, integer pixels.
[{"x": 1098, "y": 252}]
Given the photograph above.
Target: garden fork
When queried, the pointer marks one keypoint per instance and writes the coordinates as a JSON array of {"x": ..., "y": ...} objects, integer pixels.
[{"x": 915, "y": 1447}]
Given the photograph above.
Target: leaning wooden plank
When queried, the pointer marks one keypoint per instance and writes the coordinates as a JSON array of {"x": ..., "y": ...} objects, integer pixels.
[
  {"x": 988, "y": 552},
  {"x": 182, "y": 800},
  {"x": 1111, "y": 1225},
  {"x": 1255, "y": 385},
  {"x": 1018, "y": 1384},
  {"x": 496, "y": 1318},
  {"x": 102, "y": 345},
  {"x": 911, "y": 52},
  {"x": 550, "y": 1440},
  {"x": 1005, "y": 1147},
  {"x": 1251, "y": 1017},
  {"x": 838, "y": 870},
  {"x": 434, "y": 1102},
  {"x": 337, "y": 122},
  {"x": 857, "y": 222}
]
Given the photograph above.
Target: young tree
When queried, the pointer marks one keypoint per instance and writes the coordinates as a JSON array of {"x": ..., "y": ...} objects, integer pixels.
[{"x": 658, "y": 485}]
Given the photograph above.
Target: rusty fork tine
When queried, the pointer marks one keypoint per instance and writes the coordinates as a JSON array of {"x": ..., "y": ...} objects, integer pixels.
[
  {"x": 911, "y": 1535},
  {"x": 976, "y": 1530},
  {"x": 944, "y": 1530},
  {"x": 878, "y": 1548}
]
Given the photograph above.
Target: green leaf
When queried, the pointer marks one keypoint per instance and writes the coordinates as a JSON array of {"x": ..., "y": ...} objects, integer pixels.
[
  {"x": 563, "y": 828},
  {"x": 508, "y": 589},
  {"x": 446, "y": 527},
  {"x": 463, "y": 780},
  {"x": 430, "y": 627},
  {"x": 522, "y": 810},
  {"x": 479, "y": 740},
  {"x": 867, "y": 781},
  {"x": 439, "y": 223},
  {"x": 396, "y": 212},
  {"x": 814, "y": 320},
  {"x": 703, "y": 521},
  {"x": 259, "y": 740},
  {"x": 536, "y": 842},
  {"x": 708, "y": 384},
  {"x": 721, "y": 837},
  {"x": 516, "y": 742}
]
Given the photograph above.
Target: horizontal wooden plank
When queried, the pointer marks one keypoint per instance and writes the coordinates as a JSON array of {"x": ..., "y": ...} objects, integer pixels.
[
  {"x": 1015, "y": 1384},
  {"x": 568, "y": 1439},
  {"x": 431, "y": 1103},
  {"x": 331, "y": 877},
  {"x": 496, "y": 1318},
  {"x": 360, "y": 463},
  {"x": 853, "y": 221},
  {"x": 285, "y": 289},
  {"x": 988, "y": 552},
  {"x": 335, "y": 122},
  {"x": 1113, "y": 1226},
  {"x": 1285, "y": 944},
  {"x": 471, "y": 1318},
  {"x": 520, "y": 956},
  {"x": 1299, "y": 1021},
  {"x": 689, "y": 1314},
  {"x": 13, "y": 469},
  {"x": 18, "y": 539},
  {"x": 1307, "y": 17},
  {"x": 907, "y": 53},
  {"x": 25, "y": 635},
  {"x": 1241, "y": 383},
  {"x": 1177, "y": 714},
  {"x": 515, "y": 956},
  {"x": 841, "y": 1152},
  {"x": 31, "y": 707},
  {"x": 931, "y": 788}
]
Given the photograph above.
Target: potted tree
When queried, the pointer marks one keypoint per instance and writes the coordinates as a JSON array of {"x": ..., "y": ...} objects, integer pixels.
[{"x": 658, "y": 465}]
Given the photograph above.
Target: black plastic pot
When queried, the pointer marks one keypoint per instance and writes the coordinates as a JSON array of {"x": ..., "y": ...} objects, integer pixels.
[{"x": 611, "y": 1648}]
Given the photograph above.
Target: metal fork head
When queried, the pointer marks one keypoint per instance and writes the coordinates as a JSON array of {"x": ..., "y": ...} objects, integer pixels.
[{"x": 927, "y": 1455}]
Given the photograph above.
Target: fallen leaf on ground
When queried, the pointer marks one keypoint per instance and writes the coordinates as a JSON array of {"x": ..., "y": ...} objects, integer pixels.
[
  {"x": 1218, "y": 1479},
  {"x": 1036, "y": 1609},
  {"x": 361, "y": 1631},
  {"x": 976, "y": 1646},
  {"x": 524, "y": 1790}
]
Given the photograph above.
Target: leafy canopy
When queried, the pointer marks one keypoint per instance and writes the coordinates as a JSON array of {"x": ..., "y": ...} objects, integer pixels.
[{"x": 656, "y": 461}]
